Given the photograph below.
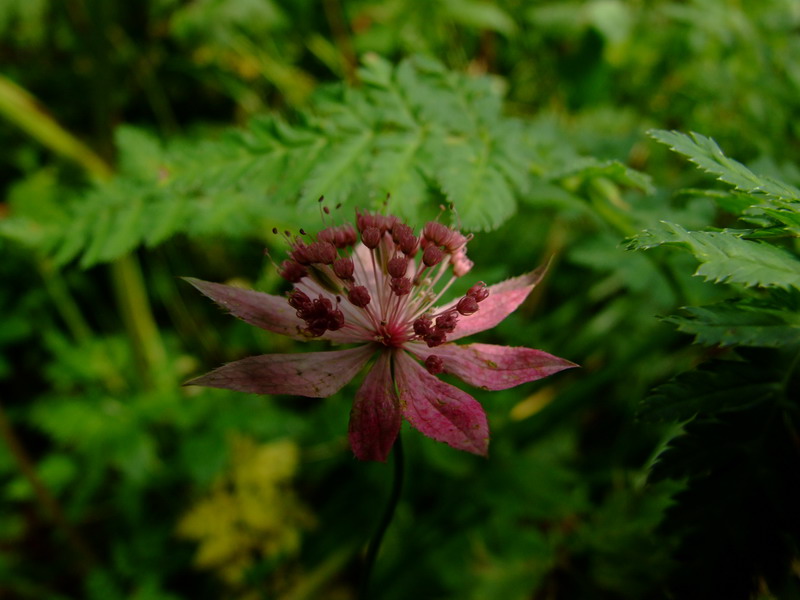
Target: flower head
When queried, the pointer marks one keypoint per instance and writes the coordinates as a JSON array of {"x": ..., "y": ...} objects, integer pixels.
[{"x": 378, "y": 288}]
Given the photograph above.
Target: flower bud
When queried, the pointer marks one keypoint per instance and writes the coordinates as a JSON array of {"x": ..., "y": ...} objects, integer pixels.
[
  {"x": 359, "y": 296},
  {"x": 344, "y": 267},
  {"x": 434, "y": 364},
  {"x": 398, "y": 266},
  {"x": 371, "y": 237},
  {"x": 432, "y": 256}
]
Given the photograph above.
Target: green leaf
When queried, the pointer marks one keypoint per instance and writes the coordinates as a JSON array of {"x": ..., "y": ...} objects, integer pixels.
[
  {"x": 740, "y": 322},
  {"x": 704, "y": 152},
  {"x": 727, "y": 258},
  {"x": 718, "y": 386}
]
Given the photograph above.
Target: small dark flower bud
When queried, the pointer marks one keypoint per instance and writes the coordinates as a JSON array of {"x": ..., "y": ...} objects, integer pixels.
[
  {"x": 432, "y": 256},
  {"x": 323, "y": 252},
  {"x": 335, "y": 320},
  {"x": 422, "y": 326},
  {"x": 400, "y": 285},
  {"x": 316, "y": 327},
  {"x": 299, "y": 301},
  {"x": 467, "y": 306},
  {"x": 359, "y": 296},
  {"x": 435, "y": 338},
  {"x": 371, "y": 237},
  {"x": 300, "y": 252},
  {"x": 292, "y": 271},
  {"x": 436, "y": 232},
  {"x": 447, "y": 322},
  {"x": 344, "y": 267},
  {"x": 478, "y": 291},
  {"x": 341, "y": 236},
  {"x": 434, "y": 365},
  {"x": 401, "y": 231},
  {"x": 398, "y": 266}
]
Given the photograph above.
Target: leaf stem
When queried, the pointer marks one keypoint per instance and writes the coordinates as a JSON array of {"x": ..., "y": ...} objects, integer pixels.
[{"x": 386, "y": 519}]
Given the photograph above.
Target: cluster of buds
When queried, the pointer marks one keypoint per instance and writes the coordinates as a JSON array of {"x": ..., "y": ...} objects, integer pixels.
[
  {"x": 434, "y": 331},
  {"x": 319, "y": 314},
  {"x": 390, "y": 281}
]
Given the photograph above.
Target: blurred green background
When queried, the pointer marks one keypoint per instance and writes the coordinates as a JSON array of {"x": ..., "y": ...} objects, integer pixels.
[{"x": 143, "y": 141}]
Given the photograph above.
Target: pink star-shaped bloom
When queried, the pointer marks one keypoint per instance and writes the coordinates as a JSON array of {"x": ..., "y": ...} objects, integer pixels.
[{"x": 380, "y": 294}]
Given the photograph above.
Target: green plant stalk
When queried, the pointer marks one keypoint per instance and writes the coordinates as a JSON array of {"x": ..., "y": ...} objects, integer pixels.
[
  {"x": 23, "y": 110},
  {"x": 386, "y": 519},
  {"x": 82, "y": 553},
  {"x": 134, "y": 308}
]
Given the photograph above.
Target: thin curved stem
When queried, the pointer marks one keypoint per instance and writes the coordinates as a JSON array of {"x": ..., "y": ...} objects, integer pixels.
[{"x": 386, "y": 519}]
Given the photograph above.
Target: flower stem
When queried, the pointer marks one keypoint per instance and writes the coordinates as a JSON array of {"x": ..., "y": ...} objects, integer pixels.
[{"x": 386, "y": 519}]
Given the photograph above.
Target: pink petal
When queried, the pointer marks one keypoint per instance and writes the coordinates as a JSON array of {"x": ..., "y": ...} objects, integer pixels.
[
  {"x": 494, "y": 367},
  {"x": 438, "y": 409},
  {"x": 375, "y": 419},
  {"x": 503, "y": 299},
  {"x": 266, "y": 311},
  {"x": 312, "y": 374}
]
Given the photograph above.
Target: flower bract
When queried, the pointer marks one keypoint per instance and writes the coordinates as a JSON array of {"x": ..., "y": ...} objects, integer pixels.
[{"x": 377, "y": 288}]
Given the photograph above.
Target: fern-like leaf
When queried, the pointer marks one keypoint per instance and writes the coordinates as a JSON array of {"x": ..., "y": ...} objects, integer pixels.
[{"x": 726, "y": 257}]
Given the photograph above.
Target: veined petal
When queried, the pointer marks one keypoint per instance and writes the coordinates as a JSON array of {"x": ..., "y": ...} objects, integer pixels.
[
  {"x": 312, "y": 374},
  {"x": 266, "y": 311},
  {"x": 503, "y": 299},
  {"x": 494, "y": 367},
  {"x": 375, "y": 419},
  {"x": 439, "y": 410}
]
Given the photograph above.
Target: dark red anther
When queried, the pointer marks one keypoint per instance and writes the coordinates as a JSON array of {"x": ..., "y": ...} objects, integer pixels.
[
  {"x": 441, "y": 235},
  {"x": 316, "y": 327},
  {"x": 434, "y": 364},
  {"x": 341, "y": 236},
  {"x": 335, "y": 320},
  {"x": 344, "y": 267},
  {"x": 435, "y": 338},
  {"x": 478, "y": 291},
  {"x": 300, "y": 252},
  {"x": 292, "y": 271},
  {"x": 401, "y": 231},
  {"x": 322, "y": 252},
  {"x": 447, "y": 322},
  {"x": 371, "y": 237},
  {"x": 359, "y": 296},
  {"x": 299, "y": 301},
  {"x": 400, "y": 285},
  {"x": 436, "y": 232},
  {"x": 398, "y": 266},
  {"x": 432, "y": 256},
  {"x": 467, "y": 306},
  {"x": 422, "y": 326}
]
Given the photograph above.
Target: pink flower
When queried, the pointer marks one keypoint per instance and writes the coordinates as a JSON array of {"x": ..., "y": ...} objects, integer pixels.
[{"x": 380, "y": 294}]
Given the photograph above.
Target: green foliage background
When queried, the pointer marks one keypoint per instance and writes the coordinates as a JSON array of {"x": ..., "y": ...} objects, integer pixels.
[{"x": 149, "y": 140}]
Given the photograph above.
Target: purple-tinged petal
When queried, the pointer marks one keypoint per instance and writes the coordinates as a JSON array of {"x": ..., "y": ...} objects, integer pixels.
[
  {"x": 312, "y": 374},
  {"x": 503, "y": 299},
  {"x": 493, "y": 367},
  {"x": 375, "y": 419},
  {"x": 266, "y": 311},
  {"x": 439, "y": 410}
]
